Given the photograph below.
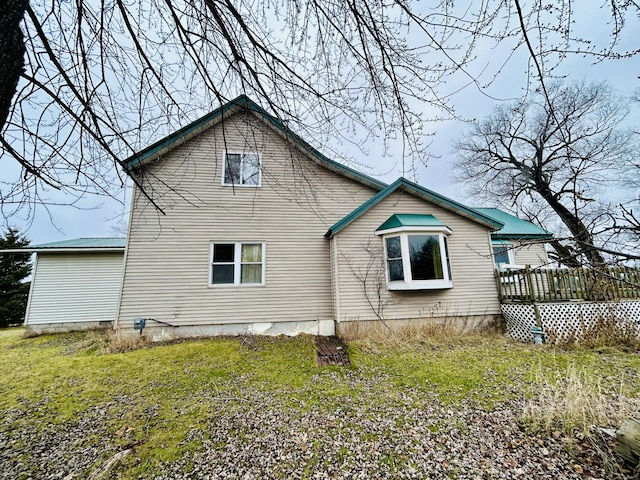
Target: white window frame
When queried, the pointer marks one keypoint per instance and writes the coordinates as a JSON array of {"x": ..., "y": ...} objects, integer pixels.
[
  {"x": 242, "y": 157},
  {"x": 237, "y": 263},
  {"x": 510, "y": 253},
  {"x": 408, "y": 283}
]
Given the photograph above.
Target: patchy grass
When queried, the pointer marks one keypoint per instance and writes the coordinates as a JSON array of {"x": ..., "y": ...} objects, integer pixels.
[
  {"x": 162, "y": 399},
  {"x": 575, "y": 399}
]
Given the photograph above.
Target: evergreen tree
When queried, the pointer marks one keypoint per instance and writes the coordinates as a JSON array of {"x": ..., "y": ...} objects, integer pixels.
[{"x": 14, "y": 268}]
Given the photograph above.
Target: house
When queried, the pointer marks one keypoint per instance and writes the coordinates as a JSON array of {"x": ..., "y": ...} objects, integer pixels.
[
  {"x": 239, "y": 226},
  {"x": 518, "y": 243}
]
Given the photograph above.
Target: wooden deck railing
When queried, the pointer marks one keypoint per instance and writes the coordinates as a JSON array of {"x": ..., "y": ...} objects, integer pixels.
[{"x": 557, "y": 284}]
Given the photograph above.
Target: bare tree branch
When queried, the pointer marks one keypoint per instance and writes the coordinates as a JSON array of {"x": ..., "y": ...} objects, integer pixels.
[
  {"x": 87, "y": 84},
  {"x": 561, "y": 147}
]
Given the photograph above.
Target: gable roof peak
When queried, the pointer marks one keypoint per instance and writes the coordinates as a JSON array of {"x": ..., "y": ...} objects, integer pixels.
[
  {"x": 420, "y": 192},
  {"x": 243, "y": 102}
]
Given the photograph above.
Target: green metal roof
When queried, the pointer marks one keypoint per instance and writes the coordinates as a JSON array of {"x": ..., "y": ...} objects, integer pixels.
[
  {"x": 84, "y": 243},
  {"x": 242, "y": 103},
  {"x": 421, "y": 192},
  {"x": 410, "y": 220},
  {"x": 76, "y": 245},
  {"x": 514, "y": 227}
]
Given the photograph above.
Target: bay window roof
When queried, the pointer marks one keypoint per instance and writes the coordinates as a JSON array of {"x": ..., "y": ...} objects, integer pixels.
[{"x": 410, "y": 221}]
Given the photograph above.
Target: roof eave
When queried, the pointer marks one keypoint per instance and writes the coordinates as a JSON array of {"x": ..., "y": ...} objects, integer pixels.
[
  {"x": 186, "y": 133},
  {"x": 426, "y": 195},
  {"x": 64, "y": 250},
  {"x": 515, "y": 236},
  {"x": 346, "y": 220}
]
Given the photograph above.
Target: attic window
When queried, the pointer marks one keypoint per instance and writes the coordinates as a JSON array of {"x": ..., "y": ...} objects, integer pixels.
[
  {"x": 416, "y": 252},
  {"x": 242, "y": 169}
]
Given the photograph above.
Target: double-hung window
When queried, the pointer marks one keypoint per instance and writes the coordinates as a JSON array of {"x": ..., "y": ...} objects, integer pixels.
[
  {"x": 416, "y": 252},
  {"x": 242, "y": 169},
  {"x": 237, "y": 263}
]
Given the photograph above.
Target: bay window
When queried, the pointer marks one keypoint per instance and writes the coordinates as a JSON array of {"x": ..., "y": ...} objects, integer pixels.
[{"x": 416, "y": 253}]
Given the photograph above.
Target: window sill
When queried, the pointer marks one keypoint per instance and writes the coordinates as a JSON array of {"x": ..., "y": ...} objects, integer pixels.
[
  {"x": 240, "y": 185},
  {"x": 420, "y": 285}
]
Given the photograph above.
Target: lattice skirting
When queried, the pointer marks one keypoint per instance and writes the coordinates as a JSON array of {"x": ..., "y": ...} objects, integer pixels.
[{"x": 568, "y": 319}]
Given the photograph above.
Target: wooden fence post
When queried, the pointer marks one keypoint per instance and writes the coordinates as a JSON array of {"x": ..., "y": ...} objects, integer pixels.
[{"x": 532, "y": 295}]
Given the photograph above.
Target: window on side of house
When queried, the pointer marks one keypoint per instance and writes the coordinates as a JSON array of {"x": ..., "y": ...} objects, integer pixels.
[
  {"x": 503, "y": 255},
  {"x": 237, "y": 263},
  {"x": 417, "y": 261},
  {"x": 242, "y": 169}
]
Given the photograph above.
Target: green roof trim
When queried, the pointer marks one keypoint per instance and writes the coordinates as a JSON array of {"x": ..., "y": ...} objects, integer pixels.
[
  {"x": 410, "y": 220},
  {"x": 515, "y": 228},
  {"x": 182, "y": 135},
  {"x": 241, "y": 103},
  {"x": 421, "y": 192}
]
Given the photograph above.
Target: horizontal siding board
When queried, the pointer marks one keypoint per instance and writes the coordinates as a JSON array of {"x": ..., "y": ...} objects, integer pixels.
[
  {"x": 167, "y": 269},
  {"x": 75, "y": 288},
  {"x": 527, "y": 253}
]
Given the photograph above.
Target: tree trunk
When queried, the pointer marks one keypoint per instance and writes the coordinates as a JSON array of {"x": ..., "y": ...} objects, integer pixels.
[
  {"x": 12, "y": 50},
  {"x": 580, "y": 232}
]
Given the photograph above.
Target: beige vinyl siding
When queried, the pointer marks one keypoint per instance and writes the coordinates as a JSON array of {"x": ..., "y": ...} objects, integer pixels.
[
  {"x": 474, "y": 291},
  {"x": 527, "y": 253},
  {"x": 168, "y": 256},
  {"x": 335, "y": 288},
  {"x": 74, "y": 287}
]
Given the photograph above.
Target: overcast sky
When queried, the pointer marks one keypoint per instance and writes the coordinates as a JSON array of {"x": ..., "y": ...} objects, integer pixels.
[{"x": 100, "y": 217}]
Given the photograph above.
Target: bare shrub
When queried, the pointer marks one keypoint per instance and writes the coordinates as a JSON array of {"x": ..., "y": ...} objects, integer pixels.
[
  {"x": 417, "y": 332},
  {"x": 576, "y": 403},
  {"x": 127, "y": 342},
  {"x": 608, "y": 330}
]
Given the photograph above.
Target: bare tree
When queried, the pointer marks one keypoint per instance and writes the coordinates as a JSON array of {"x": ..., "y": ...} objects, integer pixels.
[
  {"x": 370, "y": 273},
  {"x": 555, "y": 152},
  {"x": 87, "y": 83}
]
